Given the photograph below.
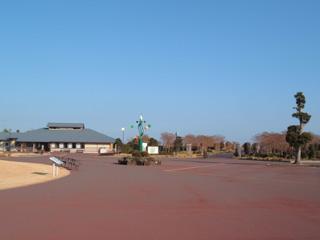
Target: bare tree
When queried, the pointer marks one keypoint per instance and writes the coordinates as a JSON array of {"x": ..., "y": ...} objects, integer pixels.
[
  {"x": 315, "y": 139},
  {"x": 203, "y": 142},
  {"x": 168, "y": 140},
  {"x": 271, "y": 143},
  {"x": 229, "y": 146},
  {"x": 145, "y": 138},
  {"x": 216, "y": 141},
  {"x": 191, "y": 139}
]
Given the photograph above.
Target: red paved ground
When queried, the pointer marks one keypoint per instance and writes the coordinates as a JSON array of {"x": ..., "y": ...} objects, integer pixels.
[{"x": 193, "y": 199}]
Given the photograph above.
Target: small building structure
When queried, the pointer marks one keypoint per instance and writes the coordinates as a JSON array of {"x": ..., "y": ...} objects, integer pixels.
[
  {"x": 7, "y": 141},
  {"x": 58, "y": 137}
]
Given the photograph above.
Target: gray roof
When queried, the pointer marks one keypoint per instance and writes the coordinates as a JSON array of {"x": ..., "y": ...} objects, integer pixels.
[
  {"x": 5, "y": 136},
  {"x": 66, "y": 136},
  {"x": 65, "y": 125}
]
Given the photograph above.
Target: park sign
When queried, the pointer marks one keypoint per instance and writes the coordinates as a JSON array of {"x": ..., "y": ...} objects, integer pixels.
[
  {"x": 56, "y": 161},
  {"x": 153, "y": 150}
]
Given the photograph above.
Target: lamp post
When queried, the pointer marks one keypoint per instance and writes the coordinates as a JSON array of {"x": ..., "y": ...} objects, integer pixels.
[{"x": 123, "y": 130}]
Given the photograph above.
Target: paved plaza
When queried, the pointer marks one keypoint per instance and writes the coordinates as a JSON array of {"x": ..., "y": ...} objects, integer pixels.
[{"x": 214, "y": 198}]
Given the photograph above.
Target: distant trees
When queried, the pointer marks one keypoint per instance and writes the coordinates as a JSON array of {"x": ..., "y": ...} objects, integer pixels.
[
  {"x": 118, "y": 142},
  {"x": 204, "y": 142},
  {"x": 312, "y": 150},
  {"x": 200, "y": 143},
  {"x": 7, "y": 130},
  {"x": 295, "y": 135},
  {"x": 270, "y": 143},
  {"x": 118, "y": 145},
  {"x": 229, "y": 146},
  {"x": 168, "y": 140},
  {"x": 190, "y": 139},
  {"x": 153, "y": 142},
  {"x": 145, "y": 139},
  {"x": 133, "y": 145},
  {"x": 247, "y": 148},
  {"x": 292, "y": 143}
]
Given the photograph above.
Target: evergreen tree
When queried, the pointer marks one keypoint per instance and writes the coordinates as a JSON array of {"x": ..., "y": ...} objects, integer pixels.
[
  {"x": 247, "y": 148},
  {"x": 295, "y": 135},
  {"x": 178, "y": 144}
]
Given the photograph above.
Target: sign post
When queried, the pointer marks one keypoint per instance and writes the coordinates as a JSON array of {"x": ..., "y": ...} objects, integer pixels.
[{"x": 55, "y": 166}]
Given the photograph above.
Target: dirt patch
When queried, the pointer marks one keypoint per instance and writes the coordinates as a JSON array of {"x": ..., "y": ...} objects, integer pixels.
[{"x": 19, "y": 174}]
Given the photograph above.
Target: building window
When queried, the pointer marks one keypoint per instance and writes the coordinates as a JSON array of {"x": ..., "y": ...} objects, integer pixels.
[
  {"x": 61, "y": 146},
  {"x": 70, "y": 145},
  {"x": 78, "y": 146},
  {"x": 53, "y": 145}
]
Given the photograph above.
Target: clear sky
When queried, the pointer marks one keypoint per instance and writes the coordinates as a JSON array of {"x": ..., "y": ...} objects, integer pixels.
[{"x": 201, "y": 67}]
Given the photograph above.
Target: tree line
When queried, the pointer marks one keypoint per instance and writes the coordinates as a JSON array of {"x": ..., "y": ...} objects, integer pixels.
[
  {"x": 171, "y": 142},
  {"x": 270, "y": 144},
  {"x": 294, "y": 143}
]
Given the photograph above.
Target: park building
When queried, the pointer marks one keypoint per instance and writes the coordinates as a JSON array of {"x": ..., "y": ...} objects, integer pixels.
[{"x": 57, "y": 137}]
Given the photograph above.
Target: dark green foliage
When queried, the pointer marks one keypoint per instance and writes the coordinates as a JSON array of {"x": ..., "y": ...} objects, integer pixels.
[
  {"x": 126, "y": 148},
  {"x": 133, "y": 144},
  {"x": 139, "y": 161},
  {"x": 238, "y": 150},
  {"x": 295, "y": 135},
  {"x": 312, "y": 151},
  {"x": 255, "y": 148},
  {"x": 318, "y": 154},
  {"x": 129, "y": 147},
  {"x": 178, "y": 144},
  {"x": 222, "y": 146},
  {"x": 297, "y": 139},
  {"x": 118, "y": 142},
  {"x": 247, "y": 148},
  {"x": 236, "y": 153},
  {"x": 118, "y": 145},
  {"x": 303, "y": 117}
]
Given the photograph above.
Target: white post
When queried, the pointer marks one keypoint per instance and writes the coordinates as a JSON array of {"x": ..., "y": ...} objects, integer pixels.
[
  {"x": 57, "y": 168},
  {"x": 53, "y": 169}
]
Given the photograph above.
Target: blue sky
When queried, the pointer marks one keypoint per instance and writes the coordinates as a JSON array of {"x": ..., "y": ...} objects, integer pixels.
[{"x": 201, "y": 67}]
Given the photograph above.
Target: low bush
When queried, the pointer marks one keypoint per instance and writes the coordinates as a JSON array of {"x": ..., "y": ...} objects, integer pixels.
[{"x": 139, "y": 154}]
